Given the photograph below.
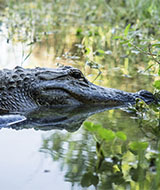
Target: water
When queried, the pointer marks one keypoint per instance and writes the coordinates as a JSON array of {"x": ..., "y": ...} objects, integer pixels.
[
  {"x": 56, "y": 159},
  {"x": 23, "y": 166}
]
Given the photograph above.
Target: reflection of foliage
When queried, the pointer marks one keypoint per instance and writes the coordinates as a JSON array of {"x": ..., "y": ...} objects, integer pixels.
[
  {"x": 74, "y": 157},
  {"x": 148, "y": 118},
  {"x": 107, "y": 161}
]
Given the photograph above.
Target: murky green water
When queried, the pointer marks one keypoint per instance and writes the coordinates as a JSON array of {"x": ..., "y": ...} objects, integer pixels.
[{"x": 57, "y": 159}]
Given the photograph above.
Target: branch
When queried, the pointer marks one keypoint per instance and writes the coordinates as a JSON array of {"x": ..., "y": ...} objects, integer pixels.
[{"x": 146, "y": 53}]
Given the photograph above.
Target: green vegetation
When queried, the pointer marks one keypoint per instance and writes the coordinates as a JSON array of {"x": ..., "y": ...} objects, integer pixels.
[
  {"x": 96, "y": 26},
  {"x": 118, "y": 42},
  {"x": 105, "y": 159},
  {"x": 100, "y": 34}
]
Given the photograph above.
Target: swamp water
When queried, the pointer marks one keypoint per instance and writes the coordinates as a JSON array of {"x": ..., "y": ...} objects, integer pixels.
[{"x": 38, "y": 159}]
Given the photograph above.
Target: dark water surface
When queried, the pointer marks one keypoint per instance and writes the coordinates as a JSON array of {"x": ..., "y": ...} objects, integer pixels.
[{"x": 35, "y": 159}]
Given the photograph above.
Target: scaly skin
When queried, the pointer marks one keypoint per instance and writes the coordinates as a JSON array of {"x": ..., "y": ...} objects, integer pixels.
[{"x": 26, "y": 89}]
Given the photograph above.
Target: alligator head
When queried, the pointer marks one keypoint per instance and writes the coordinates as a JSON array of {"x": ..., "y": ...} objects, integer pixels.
[{"x": 24, "y": 89}]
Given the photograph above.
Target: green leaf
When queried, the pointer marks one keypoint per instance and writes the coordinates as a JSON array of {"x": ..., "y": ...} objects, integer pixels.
[
  {"x": 118, "y": 37},
  {"x": 91, "y": 126},
  {"x": 127, "y": 29},
  {"x": 129, "y": 44},
  {"x": 79, "y": 30},
  {"x": 87, "y": 50},
  {"x": 86, "y": 179},
  {"x": 100, "y": 52},
  {"x": 97, "y": 126},
  {"x": 137, "y": 146},
  {"x": 94, "y": 180},
  {"x": 157, "y": 84},
  {"x": 156, "y": 45},
  {"x": 121, "y": 135},
  {"x": 124, "y": 42},
  {"x": 88, "y": 125},
  {"x": 106, "y": 134},
  {"x": 89, "y": 179}
]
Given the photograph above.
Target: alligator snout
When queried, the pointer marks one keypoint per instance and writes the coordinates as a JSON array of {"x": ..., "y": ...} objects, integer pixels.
[{"x": 146, "y": 96}]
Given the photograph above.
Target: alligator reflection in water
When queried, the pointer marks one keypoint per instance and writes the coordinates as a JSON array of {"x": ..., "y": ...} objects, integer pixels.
[{"x": 68, "y": 118}]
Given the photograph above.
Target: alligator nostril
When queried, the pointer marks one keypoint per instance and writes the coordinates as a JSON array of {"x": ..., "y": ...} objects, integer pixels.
[{"x": 146, "y": 94}]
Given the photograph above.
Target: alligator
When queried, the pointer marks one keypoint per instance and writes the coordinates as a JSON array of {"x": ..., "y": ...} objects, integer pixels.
[{"x": 22, "y": 90}]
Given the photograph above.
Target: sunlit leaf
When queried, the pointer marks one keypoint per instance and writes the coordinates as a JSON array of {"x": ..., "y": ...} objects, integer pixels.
[
  {"x": 121, "y": 135},
  {"x": 118, "y": 37},
  {"x": 127, "y": 29},
  {"x": 100, "y": 52},
  {"x": 156, "y": 45},
  {"x": 87, "y": 50},
  {"x": 157, "y": 84},
  {"x": 91, "y": 126},
  {"x": 97, "y": 126},
  {"x": 137, "y": 146},
  {"x": 129, "y": 44},
  {"x": 88, "y": 125},
  {"x": 106, "y": 134}
]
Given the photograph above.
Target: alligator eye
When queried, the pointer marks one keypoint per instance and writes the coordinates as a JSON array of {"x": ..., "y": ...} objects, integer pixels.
[{"x": 76, "y": 75}]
